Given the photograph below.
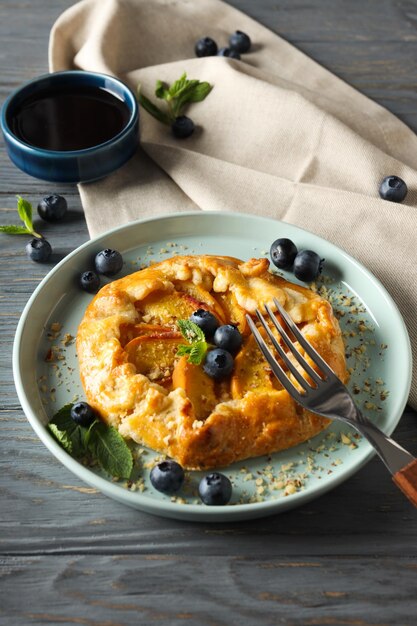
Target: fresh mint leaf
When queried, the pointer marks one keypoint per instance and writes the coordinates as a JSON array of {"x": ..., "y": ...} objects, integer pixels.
[
  {"x": 200, "y": 92},
  {"x": 190, "y": 331},
  {"x": 15, "y": 230},
  {"x": 183, "y": 349},
  {"x": 154, "y": 110},
  {"x": 24, "y": 208},
  {"x": 62, "y": 437},
  {"x": 161, "y": 90},
  {"x": 69, "y": 434},
  {"x": 194, "y": 351},
  {"x": 176, "y": 96},
  {"x": 111, "y": 451},
  {"x": 178, "y": 85},
  {"x": 198, "y": 352}
]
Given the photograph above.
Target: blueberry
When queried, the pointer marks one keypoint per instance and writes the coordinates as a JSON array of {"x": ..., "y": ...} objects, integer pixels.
[
  {"x": 38, "y": 250},
  {"x": 283, "y": 252},
  {"x": 182, "y": 127},
  {"x": 228, "y": 338},
  {"x": 206, "y": 321},
  {"x": 307, "y": 265},
  {"x": 90, "y": 282},
  {"x": 52, "y": 208},
  {"x": 215, "y": 489},
  {"x": 206, "y": 47},
  {"x": 167, "y": 476},
  {"x": 218, "y": 364},
  {"x": 393, "y": 188},
  {"x": 82, "y": 414},
  {"x": 108, "y": 262},
  {"x": 228, "y": 52},
  {"x": 240, "y": 42}
]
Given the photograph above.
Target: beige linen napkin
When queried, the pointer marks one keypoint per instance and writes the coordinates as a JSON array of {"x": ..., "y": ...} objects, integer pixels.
[{"x": 278, "y": 136}]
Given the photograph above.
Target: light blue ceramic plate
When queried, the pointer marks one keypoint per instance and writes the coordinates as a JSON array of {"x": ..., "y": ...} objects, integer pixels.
[{"x": 376, "y": 340}]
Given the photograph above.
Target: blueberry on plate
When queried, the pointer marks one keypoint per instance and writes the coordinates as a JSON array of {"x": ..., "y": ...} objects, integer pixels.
[
  {"x": 38, "y": 250},
  {"x": 206, "y": 321},
  {"x": 218, "y": 364},
  {"x": 228, "y": 52},
  {"x": 108, "y": 262},
  {"x": 206, "y": 47},
  {"x": 182, "y": 127},
  {"x": 283, "y": 252},
  {"x": 90, "y": 282},
  {"x": 307, "y": 265},
  {"x": 52, "y": 208},
  {"x": 215, "y": 489},
  {"x": 240, "y": 42},
  {"x": 82, "y": 414},
  {"x": 228, "y": 338},
  {"x": 167, "y": 476},
  {"x": 393, "y": 188}
]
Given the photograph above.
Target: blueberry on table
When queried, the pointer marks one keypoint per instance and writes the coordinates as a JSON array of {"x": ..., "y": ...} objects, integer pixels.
[
  {"x": 307, "y": 265},
  {"x": 228, "y": 338},
  {"x": 283, "y": 252},
  {"x": 228, "y": 52},
  {"x": 206, "y": 47},
  {"x": 52, "y": 208},
  {"x": 240, "y": 42},
  {"x": 218, "y": 364},
  {"x": 108, "y": 262},
  {"x": 206, "y": 321},
  {"x": 393, "y": 188},
  {"x": 90, "y": 282},
  {"x": 38, "y": 250},
  {"x": 82, "y": 414},
  {"x": 167, "y": 476},
  {"x": 215, "y": 489},
  {"x": 182, "y": 127}
]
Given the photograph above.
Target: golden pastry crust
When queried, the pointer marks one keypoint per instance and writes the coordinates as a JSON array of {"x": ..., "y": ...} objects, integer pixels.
[{"x": 127, "y": 344}]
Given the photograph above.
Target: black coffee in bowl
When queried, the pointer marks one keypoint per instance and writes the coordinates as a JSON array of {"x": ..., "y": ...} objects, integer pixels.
[{"x": 67, "y": 118}]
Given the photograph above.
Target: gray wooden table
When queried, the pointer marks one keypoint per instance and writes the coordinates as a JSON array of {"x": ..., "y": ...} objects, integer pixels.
[{"x": 71, "y": 556}]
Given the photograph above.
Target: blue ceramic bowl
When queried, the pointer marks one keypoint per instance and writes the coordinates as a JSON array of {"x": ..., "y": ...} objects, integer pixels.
[{"x": 72, "y": 166}]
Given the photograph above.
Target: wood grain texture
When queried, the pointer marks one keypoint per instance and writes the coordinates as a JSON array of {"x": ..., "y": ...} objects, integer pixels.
[
  {"x": 68, "y": 555},
  {"x": 406, "y": 480}
]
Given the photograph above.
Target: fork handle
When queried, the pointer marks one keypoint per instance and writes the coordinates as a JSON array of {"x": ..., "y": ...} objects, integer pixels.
[{"x": 406, "y": 480}]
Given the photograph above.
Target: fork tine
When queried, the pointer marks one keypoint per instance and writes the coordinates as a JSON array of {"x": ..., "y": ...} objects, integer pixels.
[
  {"x": 312, "y": 352},
  {"x": 276, "y": 367},
  {"x": 302, "y": 361},
  {"x": 301, "y": 380}
]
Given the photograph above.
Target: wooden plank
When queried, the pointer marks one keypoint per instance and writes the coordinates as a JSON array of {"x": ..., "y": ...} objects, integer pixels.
[{"x": 208, "y": 591}]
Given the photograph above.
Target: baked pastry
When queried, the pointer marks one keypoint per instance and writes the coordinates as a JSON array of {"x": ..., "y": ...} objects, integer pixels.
[{"x": 127, "y": 347}]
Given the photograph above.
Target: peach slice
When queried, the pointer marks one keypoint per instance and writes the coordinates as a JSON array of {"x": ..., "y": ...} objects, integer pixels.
[
  {"x": 251, "y": 371},
  {"x": 166, "y": 308},
  {"x": 234, "y": 313},
  {"x": 197, "y": 385},
  {"x": 154, "y": 355}
]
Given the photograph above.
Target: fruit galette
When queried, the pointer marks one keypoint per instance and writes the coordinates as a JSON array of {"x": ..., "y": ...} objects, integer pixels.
[{"x": 128, "y": 344}]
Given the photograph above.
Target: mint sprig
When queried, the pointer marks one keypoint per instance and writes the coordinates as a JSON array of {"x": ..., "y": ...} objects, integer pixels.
[
  {"x": 197, "y": 346},
  {"x": 98, "y": 442},
  {"x": 176, "y": 96},
  {"x": 25, "y": 211}
]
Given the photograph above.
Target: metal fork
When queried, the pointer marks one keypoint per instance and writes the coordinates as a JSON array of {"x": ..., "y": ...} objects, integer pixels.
[{"x": 326, "y": 395}]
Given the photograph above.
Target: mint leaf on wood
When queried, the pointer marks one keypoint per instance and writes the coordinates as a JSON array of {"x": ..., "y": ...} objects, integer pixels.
[
  {"x": 111, "y": 451},
  {"x": 11, "y": 229},
  {"x": 24, "y": 209}
]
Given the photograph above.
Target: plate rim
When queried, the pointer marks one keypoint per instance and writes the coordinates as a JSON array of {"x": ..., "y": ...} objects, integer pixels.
[{"x": 196, "y": 512}]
